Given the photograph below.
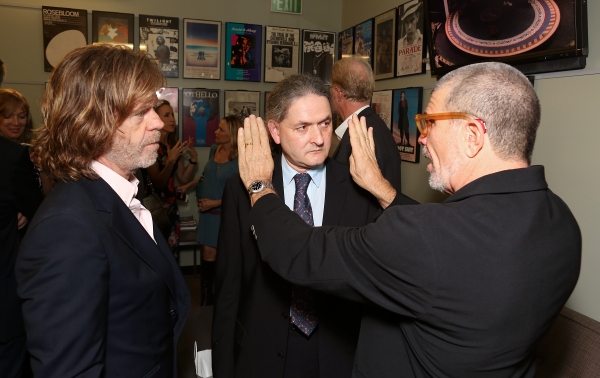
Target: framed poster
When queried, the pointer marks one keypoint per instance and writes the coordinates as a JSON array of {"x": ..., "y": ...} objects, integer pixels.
[
  {"x": 64, "y": 29},
  {"x": 201, "y": 115},
  {"x": 345, "y": 43},
  {"x": 243, "y": 52},
  {"x": 281, "y": 53},
  {"x": 159, "y": 37},
  {"x": 267, "y": 94},
  {"x": 112, "y": 27},
  {"x": 406, "y": 103},
  {"x": 381, "y": 102},
  {"x": 242, "y": 103},
  {"x": 202, "y": 49},
  {"x": 171, "y": 94},
  {"x": 385, "y": 37},
  {"x": 318, "y": 52},
  {"x": 411, "y": 50},
  {"x": 363, "y": 40}
]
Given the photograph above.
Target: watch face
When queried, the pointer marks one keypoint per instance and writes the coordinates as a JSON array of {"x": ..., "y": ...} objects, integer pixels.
[{"x": 256, "y": 186}]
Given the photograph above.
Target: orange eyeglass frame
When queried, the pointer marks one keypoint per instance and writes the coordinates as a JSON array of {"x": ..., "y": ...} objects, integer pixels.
[{"x": 424, "y": 120}]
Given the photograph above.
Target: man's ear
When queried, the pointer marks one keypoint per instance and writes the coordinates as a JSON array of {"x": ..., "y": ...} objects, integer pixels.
[
  {"x": 475, "y": 138},
  {"x": 274, "y": 131}
]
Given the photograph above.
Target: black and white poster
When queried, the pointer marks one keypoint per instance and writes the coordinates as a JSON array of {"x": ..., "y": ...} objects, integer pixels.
[
  {"x": 281, "y": 53},
  {"x": 242, "y": 103},
  {"x": 64, "y": 29},
  {"x": 411, "y": 47},
  {"x": 318, "y": 52},
  {"x": 159, "y": 37}
]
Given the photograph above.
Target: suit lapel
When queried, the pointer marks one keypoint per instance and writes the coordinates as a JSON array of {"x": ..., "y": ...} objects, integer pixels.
[
  {"x": 335, "y": 194},
  {"x": 278, "y": 176},
  {"x": 130, "y": 230}
]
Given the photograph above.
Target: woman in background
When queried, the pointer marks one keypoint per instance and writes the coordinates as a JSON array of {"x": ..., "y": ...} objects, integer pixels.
[
  {"x": 168, "y": 167},
  {"x": 222, "y": 163},
  {"x": 16, "y": 124}
]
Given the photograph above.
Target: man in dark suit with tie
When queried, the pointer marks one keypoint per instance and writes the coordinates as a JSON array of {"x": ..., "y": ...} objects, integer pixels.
[
  {"x": 102, "y": 294},
  {"x": 475, "y": 281},
  {"x": 20, "y": 197},
  {"x": 262, "y": 325},
  {"x": 352, "y": 86}
]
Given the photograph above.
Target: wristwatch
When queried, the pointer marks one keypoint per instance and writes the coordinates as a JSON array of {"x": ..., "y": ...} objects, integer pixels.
[{"x": 258, "y": 186}]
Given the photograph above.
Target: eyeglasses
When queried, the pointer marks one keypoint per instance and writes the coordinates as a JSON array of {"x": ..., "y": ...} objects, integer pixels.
[{"x": 424, "y": 121}]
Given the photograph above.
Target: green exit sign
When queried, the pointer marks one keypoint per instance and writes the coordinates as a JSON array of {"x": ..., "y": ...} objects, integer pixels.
[{"x": 286, "y": 6}]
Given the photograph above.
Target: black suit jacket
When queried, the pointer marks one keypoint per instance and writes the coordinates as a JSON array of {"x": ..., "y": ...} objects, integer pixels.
[
  {"x": 250, "y": 322},
  {"x": 474, "y": 281},
  {"x": 19, "y": 192},
  {"x": 101, "y": 298},
  {"x": 386, "y": 150}
]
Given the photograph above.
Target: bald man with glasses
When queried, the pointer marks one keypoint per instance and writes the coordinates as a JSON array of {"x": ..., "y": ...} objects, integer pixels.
[{"x": 474, "y": 282}]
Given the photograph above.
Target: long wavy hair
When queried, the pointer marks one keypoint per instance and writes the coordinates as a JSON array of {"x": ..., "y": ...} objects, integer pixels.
[{"x": 92, "y": 91}]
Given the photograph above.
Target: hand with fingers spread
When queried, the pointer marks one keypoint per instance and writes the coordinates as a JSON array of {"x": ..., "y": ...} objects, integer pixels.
[
  {"x": 173, "y": 153},
  {"x": 363, "y": 162},
  {"x": 255, "y": 159}
]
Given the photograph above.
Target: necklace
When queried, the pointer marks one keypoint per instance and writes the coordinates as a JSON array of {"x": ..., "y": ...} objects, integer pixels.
[{"x": 316, "y": 64}]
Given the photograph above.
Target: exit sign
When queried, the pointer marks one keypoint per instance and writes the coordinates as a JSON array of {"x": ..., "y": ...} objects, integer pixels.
[{"x": 286, "y": 6}]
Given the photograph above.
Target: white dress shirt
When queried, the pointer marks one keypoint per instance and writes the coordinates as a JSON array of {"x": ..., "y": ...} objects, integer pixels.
[
  {"x": 315, "y": 190},
  {"x": 126, "y": 190},
  {"x": 341, "y": 129}
]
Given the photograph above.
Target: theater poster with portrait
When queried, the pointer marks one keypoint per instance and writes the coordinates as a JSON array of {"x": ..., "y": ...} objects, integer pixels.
[
  {"x": 242, "y": 103},
  {"x": 385, "y": 39},
  {"x": 363, "y": 40},
  {"x": 243, "y": 52},
  {"x": 281, "y": 53},
  {"x": 411, "y": 49},
  {"x": 112, "y": 27},
  {"x": 406, "y": 102},
  {"x": 64, "y": 29},
  {"x": 201, "y": 115},
  {"x": 318, "y": 53},
  {"x": 159, "y": 37},
  {"x": 202, "y": 49}
]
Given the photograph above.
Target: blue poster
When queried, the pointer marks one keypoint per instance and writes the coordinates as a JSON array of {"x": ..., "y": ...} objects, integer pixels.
[
  {"x": 406, "y": 103},
  {"x": 243, "y": 52}
]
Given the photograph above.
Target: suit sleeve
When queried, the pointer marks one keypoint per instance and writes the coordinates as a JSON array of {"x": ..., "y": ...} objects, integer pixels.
[
  {"x": 26, "y": 188},
  {"x": 387, "y": 153},
  {"x": 62, "y": 273},
  {"x": 368, "y": 264},
  {"x": 228, "y": 283}
]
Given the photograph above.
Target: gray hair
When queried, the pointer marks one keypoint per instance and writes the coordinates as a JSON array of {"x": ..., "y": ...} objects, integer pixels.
[
  {"x": 289, "y": 90},
  {"x": 503, "y": 98},
  {"x": 354, "y": 76}
]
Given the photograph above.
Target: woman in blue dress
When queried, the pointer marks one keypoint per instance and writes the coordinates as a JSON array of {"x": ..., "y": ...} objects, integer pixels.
[{"x": 222, "y": 163}]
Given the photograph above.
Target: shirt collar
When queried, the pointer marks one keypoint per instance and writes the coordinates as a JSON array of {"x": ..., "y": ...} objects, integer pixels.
[
  {"x": 125, "y": 189},
  {"x": 341, "y": 129},
  {"x": 288, "y": 173}
]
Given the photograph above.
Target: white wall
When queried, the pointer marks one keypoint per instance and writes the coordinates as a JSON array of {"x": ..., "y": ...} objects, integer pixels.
[
  {"x": 22, "y": 45},
  {"x": 567, "y": 139},
  {"x": 567, "y": 144}
]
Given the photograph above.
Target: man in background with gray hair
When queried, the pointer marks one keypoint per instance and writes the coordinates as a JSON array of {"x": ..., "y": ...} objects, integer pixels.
[
  {"x": 475, "y": 281},
  {"x": 352, "y": 86}
]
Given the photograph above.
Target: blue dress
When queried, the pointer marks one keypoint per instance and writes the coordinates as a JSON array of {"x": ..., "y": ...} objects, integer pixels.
[{"x": 215, "y": 175}]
